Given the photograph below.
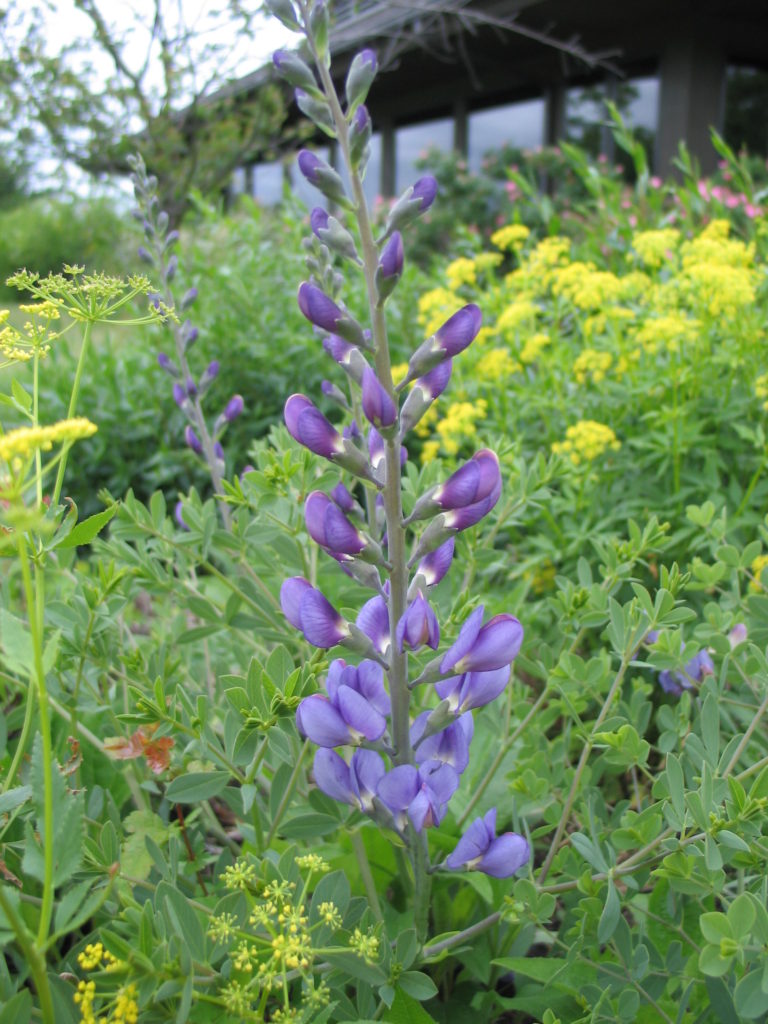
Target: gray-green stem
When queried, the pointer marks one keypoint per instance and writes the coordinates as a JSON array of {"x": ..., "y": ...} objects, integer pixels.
[{"x": 71, "y": 409}]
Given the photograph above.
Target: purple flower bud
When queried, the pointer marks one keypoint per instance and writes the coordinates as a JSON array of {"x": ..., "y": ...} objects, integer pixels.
[
  {"x": 145, "y": 256},
  {"x": 361, "y": 73},
  {"x": 167, "y": 364},
  {"x": 418, "y": 626},
  {"x": 170, "y": 239},
  {"x": 210, "y": 374},
  {"x": 318, "y": 308},
  {"x": 349, "y": 358},
  {"x": 179, "y": 394},
  {"x": 352, "y": 431},
  {"x": 737, "y": 635},
  {"x": 391, "y": 259},
  {"x": 178, "y": 515},
  {"x": 479, "y": 849},
  {"x": 423, "y": 394},
  {"x": 329, "y": 527},
  {"x": 193, "y": 440},
  {"x": 171, "y": 267},
  {"x": 310, "y": 611},
  {"x": 233, "y": 408},
  {"x": 218, "y": 451},
  {"x": 485, "y": 648},
  {"x": 307, "y": 425},
  {"x": 472, "y": 689},
  {"x": 293, "y": 69},
  {"x": 471, "y": 483},
  {"x": 318, "y": 221},
  {"x": 425, "y": 190},
  {"x": 459, "y": 330},
  {"x": 320, "y": 174},
  {"x": 421, "y": 794},
  {"x": 344, "y": 499},
  {"x": 189, "y": 333},
  {"x": 435, "y": 565},
  {"x": 373, "y": 620},
  {"x": 360, "y": 131},
  {"x": 189, "y": 297},
  {"x": 434, "y": 383},
  {"x": 191, "y": 387},
  {"x": 378, "y": 406}
]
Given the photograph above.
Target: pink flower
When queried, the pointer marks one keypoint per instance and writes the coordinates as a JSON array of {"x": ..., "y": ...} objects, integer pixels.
[
  {"x": 732, "y": 202},
  {"x": 752, "y": 211},
  {"x": 655, "y": 181},
  {"x": 704, "y": 191},
  {"x": 632, "y": 220}
]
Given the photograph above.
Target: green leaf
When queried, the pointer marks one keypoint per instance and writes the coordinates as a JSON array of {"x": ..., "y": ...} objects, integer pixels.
[
  {"x": 715, "y": 926},
  {"x": 418, "y": 985},
  {"x": 196, "y": 786},
  {"x": 749, "y": 998},
  {"x": 18, "y": 1009},
  {"x": 308, "y": 826},
  {"x": 406, "y": 1010},
  {"x": 712, "y": 963},
  {"x": 710, "y": 726},
  {"x": 22, "y": 397},
  {"x": 609, "y": 918},
  {"x": 14, "y": 798},
  {"x": 15, "y": 642},
  {"x": 91, "y": 527},
  {"x": 182, "y": 919},
  {"x": 676, "y": 785}
]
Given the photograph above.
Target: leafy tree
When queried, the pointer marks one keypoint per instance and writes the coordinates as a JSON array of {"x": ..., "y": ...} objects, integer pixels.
[{"x": 156, "y": 82}]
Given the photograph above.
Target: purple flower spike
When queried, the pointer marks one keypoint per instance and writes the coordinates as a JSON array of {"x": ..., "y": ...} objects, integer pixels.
[
  {"x": 233, "y": 408},
  {"x": 435, "y": 565},
  {"x": 675, "y": 682},
  {"x": 449, "y": 746},
  {"x": 180, "y": 395},
  {"x": 392, "y": 257},
  {"x": 311, "y": 612},
  {"x": 167, "y": 364},
  {"x": 193, "y": 440},
  {"x": 421, "y": 794},
  {"x": 310, "y": 165},
  {"x": 425, "y": 190},
  {"x": 318, "y": 308},
  {"x": 459, "y": 330},
  {"x": 373, "y": 620},
  {"x": 329, "y": 527},
  {"x": 378, "y": 406},
  {"x": 485, "y": 648},
  {"x": 418, "y": 626},
  {"x": 472, "y": 689},
  {"x": 479, "y": 849},
  {"x": 307, "y": 425}
]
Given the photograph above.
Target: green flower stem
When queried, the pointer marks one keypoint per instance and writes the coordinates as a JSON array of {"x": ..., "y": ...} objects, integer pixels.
[
  {"x": 35, "y": 960},
  {"x": 35, "y": 423},
  {"x": 71, "y": 410},
  {"x": 21, "y": 746},
  {"x": 586, "y": 751},
  {"x": 34, "y": 597},
  {"x": 436, "y": 948},
  {"x": 286, "y": 798},
  {"x": 365, "y": 873}
]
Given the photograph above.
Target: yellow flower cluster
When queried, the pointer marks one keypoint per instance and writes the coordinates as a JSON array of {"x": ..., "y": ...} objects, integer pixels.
[
  {"x": 24, "y": 441},
  {"x": 668, "y": 331},
  {"x": 126, "y": 1010},
  {"x": 758, "y": 566},
  {"x": 519, "y": 313},
  {"x": 461, "y": 271},
  {"x": 585, "y": 441},
  {"x": 366, "y": 945},
  {"x": 529, "y": 353},
  {"x": 510, "y": 237},
  {"x": 84, "y": 999},
  {"x": 654, "y": 247},
  {"x": 435, "y": 307},
  {"x": 240, "y": 875},
  {"x": 592, "y": 364},
  {"x": 585, "y": 285},
  {"x": 312, "y": 862},
  {"x": 126, "y": 1007},
  {"x": 718, "y": 271},
  {"x": 459, "y": 424},
  {"x": 761, "y": 389},
  {"x": 399, "y": 372},
  {"x": 95, "y": 956},
  {"x": 497, "y": 364}
]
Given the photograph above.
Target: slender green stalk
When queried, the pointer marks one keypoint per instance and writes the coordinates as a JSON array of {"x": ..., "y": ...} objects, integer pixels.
[
  {"x": 434, "y": 949},
  {"x": 38, "y": 674},
  {"x": 286, "y": 798},
  {"x": 21, "y": 746},
  {"x": 35, "y": 960},
  {"x": 365, "y": 873},
  {"x": 71, "y": 409}
]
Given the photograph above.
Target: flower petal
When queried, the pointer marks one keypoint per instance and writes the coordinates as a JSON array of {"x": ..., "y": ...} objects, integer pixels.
[{"x": 505, "y": 855}]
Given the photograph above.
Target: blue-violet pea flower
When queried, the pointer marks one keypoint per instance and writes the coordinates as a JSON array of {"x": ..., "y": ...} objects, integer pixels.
[
  {"x": 423, "y": 393},
  {"x": 310, "y": 611},
  {"x": 318, "y": 308},
  {"x": 180, "y": 396},
  {"x": 355, "y": 709},
  {"x": 425, "y": 190},
  {"x": 349, "y": 357},
  {"x": 449, "y": 746},
  {"x": 233, "y": 408},
  {"x": 178, "y": 515},
  {"x": 318, "y": 220},
  {"x": 193, "y": 440},
  {"x": 344, "y": 499},
  {"x": 699, "y": 666},
  {"x": 472, "y": 689},
  {"x": 329, "y": 527},
  {"x": 377, "y": 451},
  {"x": 361, "y": 73},
  {"x": 435, "y": 565},
  {"x": 419, "y": 794},
  {"x": 378, "y": 406},
  {"x": 456, "y": 334},
  {"x": 390, "y": 267},
  {"x": 418, "y": 626},
  {"x": 480, "y": 849},
  {"x": 353, "y": 783},
  {"x": 167, "y": 364},
  {"x": 475, "y": 487},
  {"x": 307, "y": 425},
  {"x": 373, "y": 620},
  {"x": 484, "y": 648}
]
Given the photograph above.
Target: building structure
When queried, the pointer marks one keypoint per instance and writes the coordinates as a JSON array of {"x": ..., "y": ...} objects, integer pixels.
[{"x": 474, "y": 74}]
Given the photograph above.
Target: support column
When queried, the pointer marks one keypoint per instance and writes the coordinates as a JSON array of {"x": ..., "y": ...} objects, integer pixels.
[
  {"x": 461, "y": 127},
  {"x": 607, "y": 141},
  {"x": 554, "y": 115},
  {"x": 691, "y": 99},
  {"x": 387, "y": 181}
]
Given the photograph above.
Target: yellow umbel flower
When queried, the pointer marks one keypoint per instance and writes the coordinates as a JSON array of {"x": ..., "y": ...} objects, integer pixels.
[
  {"x": 761, "y": 389},
  {"x": 399, "y": 372},
  {"x": 496, "y": 364},
  {"x": 533, "y": 346},
  {"x": 586, "y": 441},
  {"x": 758, "y": 565},
  {"x": 518, "y": 313},
  {"x": 435, "y": 306},
  {"x": 668, "y": 331},
  {"x": 459, "y": 424},
  {"x": 654, "y": 247},
  {"x": 25, "y": 440},
  {"x": 510, "y": 237},
  {"x": 592, "y": 364},
  {"x": 461, "y": 271}
]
